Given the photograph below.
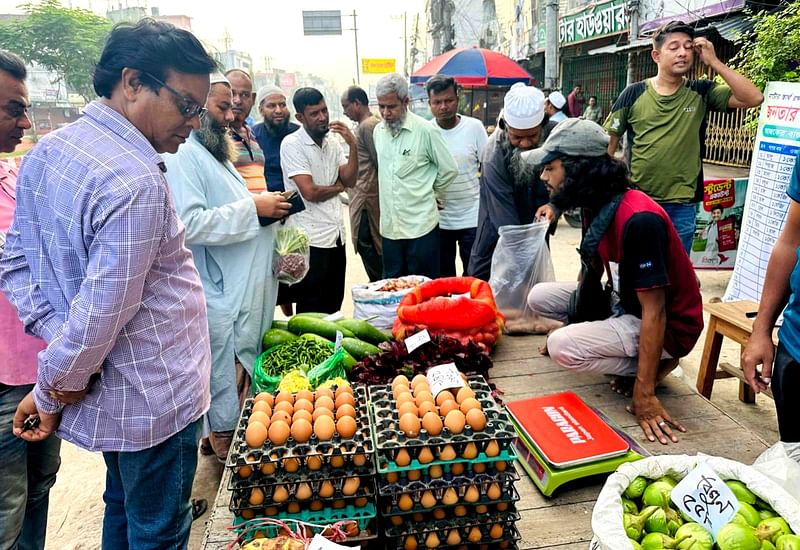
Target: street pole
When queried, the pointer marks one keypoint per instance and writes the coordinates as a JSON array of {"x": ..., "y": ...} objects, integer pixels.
[
  {"x": 405, "y": 44},
  {"x": 358, "y": 63},
  {"x": 551, "y": 50},
  {"x": 633, "y": 7}
]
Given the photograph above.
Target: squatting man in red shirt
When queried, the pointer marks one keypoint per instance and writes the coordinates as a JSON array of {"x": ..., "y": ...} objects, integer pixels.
[{"x": 638, "y": 326}]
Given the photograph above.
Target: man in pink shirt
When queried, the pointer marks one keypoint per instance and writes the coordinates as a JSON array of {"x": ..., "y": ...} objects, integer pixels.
[{"x": 29, "y": 469}]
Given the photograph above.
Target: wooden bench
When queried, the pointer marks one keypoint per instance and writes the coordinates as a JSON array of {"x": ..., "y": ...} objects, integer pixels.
[{"x": 727, "y": 320}]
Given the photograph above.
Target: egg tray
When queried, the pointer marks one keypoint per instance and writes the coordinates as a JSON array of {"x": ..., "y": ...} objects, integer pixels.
[
  {"x": 483, "y": 481},
  {"x": 361, "y": 442},
  {"x": 423, "y": 474},
  {"x": 388, "y": 466},
  {"x": 389, "y": 505},
  {"x": 365, "y": 517},
  {"x": 509, "y": 541},
  {"x": 240, "y": 495},
  {"x": 425, "y": 516},
  {"x": 280, "y": 477},
  {"x": 507, "y": 519}
]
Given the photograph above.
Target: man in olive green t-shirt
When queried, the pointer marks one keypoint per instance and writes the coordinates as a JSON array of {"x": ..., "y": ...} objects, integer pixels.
[{"x": 665, "y": 119}]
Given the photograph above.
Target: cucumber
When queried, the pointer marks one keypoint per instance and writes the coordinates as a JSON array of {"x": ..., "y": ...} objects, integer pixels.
[
  {"x": 300, "y": 324},
  {"x": 311, "y": 314},
  {"x": 363, "y": 330},
  {"x": 349, "y": 361},
  {"x": 276, "y": 337},
  {"x": 359, "y": 348},
  {"x": 283, "y": 325}
]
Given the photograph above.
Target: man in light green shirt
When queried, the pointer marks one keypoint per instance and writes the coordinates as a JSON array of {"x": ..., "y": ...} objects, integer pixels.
[{"x": 414, "y": 167}]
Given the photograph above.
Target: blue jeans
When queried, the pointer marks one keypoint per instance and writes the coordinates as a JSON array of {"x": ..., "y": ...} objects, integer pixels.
[
  {"x": 148, "y": 494},
  {"x": 29, "y": 471},
  {"x": 684, "y": 218}
]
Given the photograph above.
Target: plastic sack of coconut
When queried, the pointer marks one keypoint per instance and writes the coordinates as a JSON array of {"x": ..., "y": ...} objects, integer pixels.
[{"x": 633, "y": 509}]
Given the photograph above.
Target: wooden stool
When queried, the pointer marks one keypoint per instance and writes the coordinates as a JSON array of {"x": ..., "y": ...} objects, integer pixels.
[{"x": 728, "y": 320}]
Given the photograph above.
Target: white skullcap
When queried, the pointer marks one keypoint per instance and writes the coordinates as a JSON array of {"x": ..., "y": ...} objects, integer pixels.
[
  {"x": 270, "y": 89},
  {"x": 219, "y": 78},
  {"x": 557, "y": 99},
  {"x": 523, "y": 106}
]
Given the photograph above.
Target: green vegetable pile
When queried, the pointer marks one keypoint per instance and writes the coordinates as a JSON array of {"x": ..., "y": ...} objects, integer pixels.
[
  {"x": 651, "y": 522},
  {"x": 300, "y": 353}
]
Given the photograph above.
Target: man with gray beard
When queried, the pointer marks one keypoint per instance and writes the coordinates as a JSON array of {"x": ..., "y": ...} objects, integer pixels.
[
  {"x": 231, "y": 250},
  {"x": 511, "y": 191}
]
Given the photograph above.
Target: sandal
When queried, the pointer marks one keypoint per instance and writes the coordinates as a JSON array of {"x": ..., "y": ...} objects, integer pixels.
[
  {"x": 205, "y": 447},
  {"x": 199, "y": 507}
]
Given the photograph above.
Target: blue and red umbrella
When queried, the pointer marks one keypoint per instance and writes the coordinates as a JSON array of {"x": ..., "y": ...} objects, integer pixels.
[{"x": 474, "y": 67}]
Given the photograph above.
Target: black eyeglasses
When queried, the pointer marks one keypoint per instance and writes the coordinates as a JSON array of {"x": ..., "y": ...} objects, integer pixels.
[{"x": 188, "y": 107}]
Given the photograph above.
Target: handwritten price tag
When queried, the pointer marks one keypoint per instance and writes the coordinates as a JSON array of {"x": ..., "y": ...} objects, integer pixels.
[
  {"x": 416, "y": 340},
  {"x": 444, "y": 377},
  {"x": 321, "y": 543},
  {"x": 705, "y": 498}
]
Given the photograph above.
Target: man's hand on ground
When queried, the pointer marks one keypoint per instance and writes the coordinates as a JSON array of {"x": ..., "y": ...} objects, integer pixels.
[
  {"x": 47, "y": 422},
  {"x": 655, "y": 421},
  {"x": 759, "y": 351}
]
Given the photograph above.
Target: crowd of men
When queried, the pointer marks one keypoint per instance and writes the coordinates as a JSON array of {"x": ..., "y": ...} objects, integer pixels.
[{"x": 138, "y": 260}]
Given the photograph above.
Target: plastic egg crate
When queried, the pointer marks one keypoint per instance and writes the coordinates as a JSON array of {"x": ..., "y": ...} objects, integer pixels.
[
  {"x": 453, "y": 469},
  {"x": 509, "y": 540},
  {"x": 241, "y": 494},
  {"x": 390, "y": 504},
  {"x": 506, "y": 519},
  {"x": 360, "y": 444},
  {"x": 271, "y": 473},
  {"x": 365, "y": 518}
]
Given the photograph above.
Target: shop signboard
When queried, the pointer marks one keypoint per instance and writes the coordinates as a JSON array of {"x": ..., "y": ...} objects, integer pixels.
[
  {"x": 654, "y": 13},
  {"x": 378, "y": 66},
  {"x": 596, "y": 21}
]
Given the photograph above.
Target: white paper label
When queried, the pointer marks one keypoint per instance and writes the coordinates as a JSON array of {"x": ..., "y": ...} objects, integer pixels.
[
  {"x": 338, "y": 341},
  {"x": 416, "y": 340},
  {"x": 333, "y": 317},
  {"x": 443, "y": 377},
  {"x": 705, "y": 498},
  {"x": 321, "y": 543}
]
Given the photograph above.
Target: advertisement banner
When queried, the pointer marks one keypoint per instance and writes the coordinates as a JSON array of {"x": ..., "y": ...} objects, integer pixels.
[
  {"x": 719, "y": 221},
  {"x": 378, "y": 66}
]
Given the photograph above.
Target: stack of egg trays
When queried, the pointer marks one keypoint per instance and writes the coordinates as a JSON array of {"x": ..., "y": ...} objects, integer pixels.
[
  {"x": 396, "y": 535},
  {"x": 365, "y": 517},
  {"x": 390, "y": 493},
  {"x": 355, "y": 454},
  {"x": 389, "y": 440}
]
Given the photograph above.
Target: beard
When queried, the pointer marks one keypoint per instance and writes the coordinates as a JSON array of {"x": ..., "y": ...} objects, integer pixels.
[
  {"x": 216, "y": 139},
  {"x": 276, "y": 129},
  {"x": 522, "y": 173},
  {"x": 395, "y": 126}
]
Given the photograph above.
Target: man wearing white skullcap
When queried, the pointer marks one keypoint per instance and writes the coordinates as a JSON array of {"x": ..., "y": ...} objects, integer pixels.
[
  {"x": 554, "y": 106},
  {"x": 510, "y": 191},
  {"x": 270, "y": 133}
]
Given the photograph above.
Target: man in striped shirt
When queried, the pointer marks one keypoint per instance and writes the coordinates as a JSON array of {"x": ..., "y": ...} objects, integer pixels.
[{"x": 96, "y": 265}]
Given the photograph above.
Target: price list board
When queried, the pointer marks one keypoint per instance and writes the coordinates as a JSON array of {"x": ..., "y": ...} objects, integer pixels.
[{"x": 777, "y": 146}]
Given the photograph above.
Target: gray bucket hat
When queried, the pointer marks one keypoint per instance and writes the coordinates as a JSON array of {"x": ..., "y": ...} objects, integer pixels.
[{"x": 574, "y": 137}]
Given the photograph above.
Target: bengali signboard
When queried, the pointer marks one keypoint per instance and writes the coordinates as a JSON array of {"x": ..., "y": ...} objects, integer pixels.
[
  {"x": 378, "y": 66},
  {"x": 596, "y": 21}
]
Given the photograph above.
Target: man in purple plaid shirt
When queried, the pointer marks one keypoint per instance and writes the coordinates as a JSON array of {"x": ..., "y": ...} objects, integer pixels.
[{"x": 96, "y": 265}]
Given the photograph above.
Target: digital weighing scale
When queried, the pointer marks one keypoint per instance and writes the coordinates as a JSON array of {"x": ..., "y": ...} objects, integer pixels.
[{"x": 562, "y": 439}]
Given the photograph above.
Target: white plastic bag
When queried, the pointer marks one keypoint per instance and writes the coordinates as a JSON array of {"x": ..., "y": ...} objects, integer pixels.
[
  {"x": 374, "y": 303},
  {"x": 781, "y": 463},
  {"x": 521, "y": 259},
  {"x": 292, "y": 254},
  {"x": 607, "y": 528}
]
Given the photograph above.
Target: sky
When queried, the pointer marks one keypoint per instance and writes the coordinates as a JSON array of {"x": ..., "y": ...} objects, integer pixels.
[{"x": 272, "y": 31}]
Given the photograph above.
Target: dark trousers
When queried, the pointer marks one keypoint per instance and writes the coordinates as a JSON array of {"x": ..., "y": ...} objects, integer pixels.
[
  {"x": 365, "y": 246},
  {"x": 418, "y": 256},
  {"x": 786, "y": 389},
  {"x": 464, "y": 238},
  {"x": 322, "y": 289}
]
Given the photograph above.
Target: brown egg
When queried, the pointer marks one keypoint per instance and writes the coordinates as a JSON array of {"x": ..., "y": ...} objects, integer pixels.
[
  {"x": 303, "y": 405},
  {"x": 280, "y": 494},
  {"x": 481, "y": 509},
  {"x": 259, "y": 416},
  {"x": 409, "y": 425},
  {"x": 303, "y": 491},
  {"x": 501, "y": 466},
  {"x": 501, "y": 506},
  {"x": 479, "y": 467},
  {"x": 301, "y": 430},
  {"x": 268, "y": 468},
  {"x": 447, "y": 453},
  {"x": 359, "y": 460},
  {"x": 245, "y": 471},
  {"x": 400, "y": 389},
  {"x": 262, "y": 406},
  {"x": 476, "y": 419},
  {"x": 284, "y": 396},
  {"x": 255, "y": 435},
  {"x": 421, "y": 387},
  {"x": 494, "y": 491},
  {"x": 397, "y": 521},
  {"x": 432, "y": 541},
  {"x": 265, "y": 397},
  {"x": 399, "y": 379},
  {"x": 304, "y": 394},
  {"x": 459, "y": 511},
  {"x": 435, "y": 471},
  {"x": 417, "y": 380},
  {"x": 439, "y": 513},
  {"x": 314, "y": 463},
  {"x": 346, "y": 410},
  {"x": 428, "y": 500},
  {"x": 450, "y": 497},
  {"x": 256, "y": 496},
  {"x": 432, "y": 423},
  {"x": 443, "y": 396},
  {"x": 340, "y": 503},
  {"x": 404, "y": 397},
  {"x": 361, "y": 502},
  {"x": 457, "y": 469},
  {"x": 496, "y": 531},
  {"x": 418, "y": 517},
  {"x": 402, "y": 458},
  {"x": 472, "y": 494},
  {"x": 247, "y": 514},
  {"x": 321, "y": 411},
  {"x": 421, "y": 397},
  {"x": 392, "y": 477},
  {"x": 293, "y": 508},
  {"x": 492, "y": 449},
  {"x": 447, "y": 406},
  {"x": 405, "y": 503},
  {"x": 324, "y": 402},
  {"x": 343, "y": 389},
  {"x": 425, "y": 408},
  {"x": 346, "y": 427},
  {"x": 316, "y": 505},
  {"x": 407, "y": 407},
  {"x": 345, "y": 398},
  {"x": 455, "y": 421},
  {"x": 291, "y": 465},
  {"x": 323, "y": 392},
  {"x": 410, "y": 543},
  {"x": 463, "y": 393},
  {"x": 414, "y": 475},
  {"x": 470, "y": 403},
  {"x": 425, "y": 456},
  {"x": 474, "y": 535},
  {"x": 337, "y": 461},
  {"x": 351, "y": 486},
  {"x": 324, "y": 428},
  {"x": 278, "y": 432},
  {"x": 281, "y": 416},
  {"x": 326, "y": 489},
  {"x": 302, "y": 415},
  {"x": 284, "y": 406},
  {"x": 470, "y": 451},
  {"x": 453, "y": 538}
]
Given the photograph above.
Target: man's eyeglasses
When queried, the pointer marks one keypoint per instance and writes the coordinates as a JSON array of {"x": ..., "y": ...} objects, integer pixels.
[{"x": 188, "y": 107}]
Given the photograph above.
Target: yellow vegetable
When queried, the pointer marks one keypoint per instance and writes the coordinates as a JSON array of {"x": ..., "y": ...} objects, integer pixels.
[
  {"x": 294, "y": 381},
  {"x": 338, "y": 382}
]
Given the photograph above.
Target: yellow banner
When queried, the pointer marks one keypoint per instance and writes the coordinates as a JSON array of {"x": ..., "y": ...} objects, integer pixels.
[{"x": 375, "y": 65}]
